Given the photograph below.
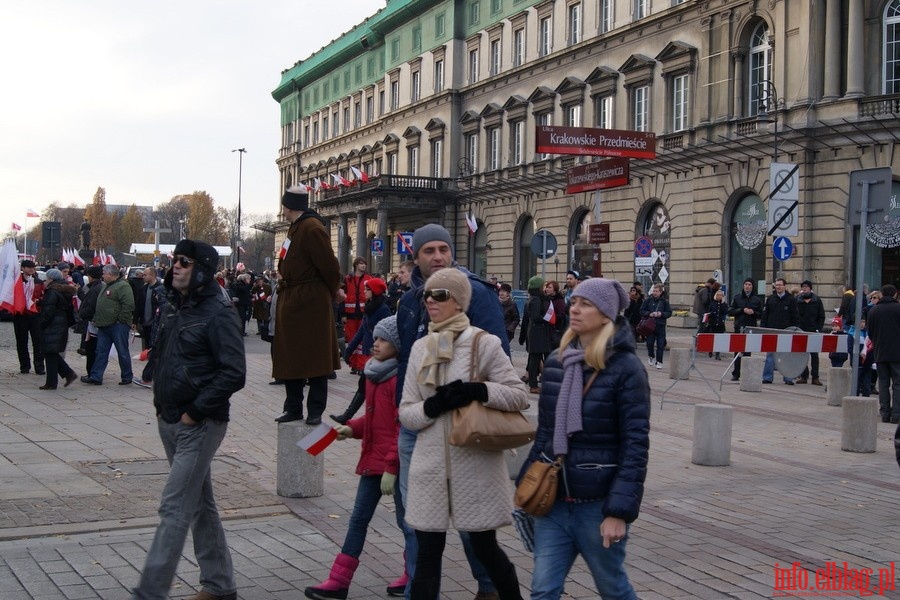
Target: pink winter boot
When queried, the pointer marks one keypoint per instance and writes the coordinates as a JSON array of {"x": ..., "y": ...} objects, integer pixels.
[
  {"x": 338, "y": 582},
  {"x": 398, "y": 587}
]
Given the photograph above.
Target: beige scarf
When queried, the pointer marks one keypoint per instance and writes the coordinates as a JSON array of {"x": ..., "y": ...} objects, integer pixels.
[{"x": 439, "y": 347}]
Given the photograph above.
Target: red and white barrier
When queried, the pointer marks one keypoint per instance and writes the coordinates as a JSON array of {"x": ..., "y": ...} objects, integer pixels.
[{"x": 768, "y": 342}]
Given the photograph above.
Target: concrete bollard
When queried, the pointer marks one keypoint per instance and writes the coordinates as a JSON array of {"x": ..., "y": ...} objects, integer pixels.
[
  {"x": 679, "y": 363},
  {"x": 838, "y": 384},
  {"x": 859, "y": 423},
  {"x": 712, "y": 435},
  {"x": 751, "y": 373},
  {"x": 516, "y": 458},
  {"x": 299, "y": 474}
]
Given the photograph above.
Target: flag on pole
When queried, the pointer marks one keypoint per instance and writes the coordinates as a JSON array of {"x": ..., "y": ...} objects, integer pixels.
[
  {"x": 16, "y": 227},
  {"x": 12, "y": 289},
  {"x": 317, "y": 185},
  {"x": 340, "y": 181},
  {"x": 111, "y": 260},
  {"x": 32, "y": 214},
  {"x": 79, "y": 262},
  {"x": 471, "y": 222},
  {"x": 360, "y": 176},
  {"x": 318, "y": 439},
  {"x": 284, "y": 248},
  {"x": 96, "y": 260}
]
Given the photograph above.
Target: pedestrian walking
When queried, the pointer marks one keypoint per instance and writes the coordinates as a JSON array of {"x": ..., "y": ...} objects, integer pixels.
[
  {"x": 883, "y": 326},
  {"x": 536, "y": 331},
  {"x": 112, "y": 317},
  {"x": 86, "y": 314},
  {"x": 56, "y": 316},
  {"x": 594, "y": 411},
  {"x": 26, "y": 324},
  {"x": 658, "y": 308},
  {"x": 378, "y": 464},
  {"x": 201, "y": 364}
]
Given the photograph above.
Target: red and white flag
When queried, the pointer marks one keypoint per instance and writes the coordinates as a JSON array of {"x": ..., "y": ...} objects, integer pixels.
[
  {"x": 318, "y": 439},
  {"x": 77, "y": 258},
  {"x": 471, "y": 222},
  {"x": 340, "y": 181},
  {"x": 111, "y": 260},
  {"x": 16, "y": 227},
  {"x": 317, "y": 184},
  {"x": 284, "y": 248},
  {"x": 31, "y": 213},
  {"x": 550, "y": 315},
  {"x": 12, "y": 289},
  {"x": 360, "y": 176},
  {"x": 96, "y": 260}
]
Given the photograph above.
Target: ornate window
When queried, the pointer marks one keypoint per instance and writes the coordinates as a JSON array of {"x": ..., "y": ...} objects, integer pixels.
[
  {"x": 892, "y": 48},
  {"x": 760, "y": 66}
]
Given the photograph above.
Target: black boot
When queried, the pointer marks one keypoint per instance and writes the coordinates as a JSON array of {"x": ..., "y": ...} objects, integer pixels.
[
  {"x": 508, "y": 585},
  {"x": 358, "y": 399}
]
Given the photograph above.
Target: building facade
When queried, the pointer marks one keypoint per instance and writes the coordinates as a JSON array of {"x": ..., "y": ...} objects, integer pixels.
[{"x": 427, "y": 112}]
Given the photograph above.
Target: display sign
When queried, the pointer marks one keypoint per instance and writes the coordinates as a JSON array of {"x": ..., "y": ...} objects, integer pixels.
[
  {"x": 598, "y": 234},
  {"x": 552, "y": 139},
  {"x": 601, "y": 175}
]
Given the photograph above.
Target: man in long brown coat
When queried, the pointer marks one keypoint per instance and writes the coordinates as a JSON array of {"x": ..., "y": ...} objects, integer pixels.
[{"x": 305, "y": 346}]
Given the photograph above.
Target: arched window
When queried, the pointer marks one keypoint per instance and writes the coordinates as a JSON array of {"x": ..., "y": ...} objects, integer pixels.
[
  {"x": 892, "y": 48},
  {"x": 581, "y": 253},
  {"x": 748, "y": 248},
  {"x": 760, "y": 66},
  {"x": 657, "y": 265},
  {"x": 526, "y": 262},
  {"x": 480, "y": 251}
]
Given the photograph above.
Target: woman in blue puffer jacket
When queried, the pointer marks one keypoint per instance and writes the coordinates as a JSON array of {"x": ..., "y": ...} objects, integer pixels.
[{"x": 594, "y": 409}]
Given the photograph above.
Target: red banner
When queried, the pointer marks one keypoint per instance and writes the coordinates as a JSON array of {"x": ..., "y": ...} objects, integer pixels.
[
  {"x": 550, "y": 139},
  {"x": 601, "y": 175}
]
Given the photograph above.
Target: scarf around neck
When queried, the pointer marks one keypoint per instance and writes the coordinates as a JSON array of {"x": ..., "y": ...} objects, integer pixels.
[
  {"x": 568, "y": 403},
  {"x": 439, "y": 347},
  {"x": 377, "y": 371}
]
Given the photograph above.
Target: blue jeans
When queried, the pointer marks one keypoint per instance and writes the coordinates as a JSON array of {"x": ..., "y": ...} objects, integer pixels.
[
  {"x": 405, "y": 446},
  {"x": 187, "y": 501},
  {"x": 112, "y": 335},
  {"x": 769, "y": 368},
  {"x": 568, "y": 530},
  {"x": 368, "y": 493},
  {"x": 657, "y": 341}
]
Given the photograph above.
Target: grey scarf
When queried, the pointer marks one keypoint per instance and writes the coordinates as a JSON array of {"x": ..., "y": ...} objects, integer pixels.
[{"x": 568, "y": 403}]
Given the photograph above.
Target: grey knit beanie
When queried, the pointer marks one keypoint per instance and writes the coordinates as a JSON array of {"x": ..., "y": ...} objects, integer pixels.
[
  {"x": 386, "y": 329},
  {"x": 607, "y": 295},
  {"x": 55, "y": 275},
  {"x": 430, "y": 233}
]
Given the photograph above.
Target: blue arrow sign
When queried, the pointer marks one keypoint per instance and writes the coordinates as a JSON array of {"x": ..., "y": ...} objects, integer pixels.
[{"x": 782, "y": 248}]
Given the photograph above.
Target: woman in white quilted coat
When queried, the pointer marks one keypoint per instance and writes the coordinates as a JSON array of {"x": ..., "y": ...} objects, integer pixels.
[{"x": 447, "y": 484}]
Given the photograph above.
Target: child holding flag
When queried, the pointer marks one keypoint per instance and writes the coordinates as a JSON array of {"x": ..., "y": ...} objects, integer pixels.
[{"x": 378, "y": 463}]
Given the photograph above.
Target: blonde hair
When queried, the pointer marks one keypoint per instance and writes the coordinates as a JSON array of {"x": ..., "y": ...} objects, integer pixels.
[
  {"x": 718, "y": 294},
  {"x": 595, "y": 353}
]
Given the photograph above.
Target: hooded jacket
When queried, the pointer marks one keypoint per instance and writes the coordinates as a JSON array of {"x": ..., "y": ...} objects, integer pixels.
[
  {"x": 56, "y": 306},
  {"x": 115, "y": 304},
  {"x": 201, "y": 360}
]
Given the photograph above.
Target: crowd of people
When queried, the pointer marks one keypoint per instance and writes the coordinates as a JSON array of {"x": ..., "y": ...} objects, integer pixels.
[{"x": 425, "y": 342}]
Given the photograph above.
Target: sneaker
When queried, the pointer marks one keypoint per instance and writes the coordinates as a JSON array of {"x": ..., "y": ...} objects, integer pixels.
[
  {"x": 141, "y": 383},
  {"x": 789, "y": 382},
  {"x": 651, "y": 361},
  {"x": 659, "y": 365}
]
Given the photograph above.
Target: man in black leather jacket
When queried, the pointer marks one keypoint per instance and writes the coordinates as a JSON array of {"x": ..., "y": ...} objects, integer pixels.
[
  {"x": 746, "y": 308},
  {"x": 201, "y": 363}
]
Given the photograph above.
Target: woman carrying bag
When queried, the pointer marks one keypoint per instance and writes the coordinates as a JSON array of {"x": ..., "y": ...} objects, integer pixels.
[
  {"x": 469, "y": 486},
  {"x": 594, "y": 411}
]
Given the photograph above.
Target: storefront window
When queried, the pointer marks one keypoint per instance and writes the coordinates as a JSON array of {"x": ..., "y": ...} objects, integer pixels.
[{"x": 748, "y": 250}]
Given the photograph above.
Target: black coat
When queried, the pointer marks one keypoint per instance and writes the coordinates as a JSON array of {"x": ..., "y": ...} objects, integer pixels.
[
  {"x": 883, "y": 326},
  {"x": 812, "y": 313},
  {"x": 742, "y": 319},
  {"x": 780, "y": 313},
  {"x": 607, "y": 460},
  {"x": 56, "y": 309},
  {"x": 535, "y": 332},
  {"x": 657, "y": 304}
]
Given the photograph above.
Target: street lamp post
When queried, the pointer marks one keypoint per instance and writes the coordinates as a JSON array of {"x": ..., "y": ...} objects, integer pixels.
[
  {"x": 465, "y": 174},
  {"x": 237, "y": 252}
]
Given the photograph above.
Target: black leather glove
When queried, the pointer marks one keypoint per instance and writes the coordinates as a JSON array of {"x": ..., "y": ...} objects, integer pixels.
[{"x": 454, "y": 395}]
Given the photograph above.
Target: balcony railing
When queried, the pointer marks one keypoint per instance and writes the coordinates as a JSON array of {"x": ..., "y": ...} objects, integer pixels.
[{"x": 880, "y": 105}]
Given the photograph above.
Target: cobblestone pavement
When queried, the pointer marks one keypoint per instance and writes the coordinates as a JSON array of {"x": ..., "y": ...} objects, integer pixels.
[{"x": 81, "y": 469}]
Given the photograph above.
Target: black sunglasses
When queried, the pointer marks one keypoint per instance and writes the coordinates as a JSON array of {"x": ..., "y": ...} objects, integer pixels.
[
  {"x": 438, "y": 294},
  {"x": 184, "y": 261}
]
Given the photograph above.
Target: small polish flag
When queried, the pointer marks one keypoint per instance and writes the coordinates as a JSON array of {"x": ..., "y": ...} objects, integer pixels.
[
  {"x": 16, "y": 227},
  {"x": 550, "y": 315},
  {"x": 318, "y": 439},
  {"x": 76, "y": 257},
  {"x": 360, "y": 176},
  {"x": 705, "y": 318},
  {"x": 31, "y": 213},
  {"x": 317, "y": 184},
  {"x": 241, "y": 248},
  {"x": 471, "y": 222},
  {"x": 284, "y": 249}
]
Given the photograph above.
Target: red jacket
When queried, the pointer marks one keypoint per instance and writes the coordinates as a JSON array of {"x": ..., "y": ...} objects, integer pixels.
[
  {"x": 379, "y": 429},
  {"x": 355, "y": 290}
]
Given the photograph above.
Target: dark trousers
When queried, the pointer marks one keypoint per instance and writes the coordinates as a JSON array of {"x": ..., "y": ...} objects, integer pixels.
[
  {"x": 25, "y": 326},
  {"x": 316, "y": 399},
  {"x": 535, "y": 361},
  {"x": 736, "y": 372},
  {"x": 90, "y": 352},
  {"x": 56, "y": 366},
  {"x": 814, "y": 361},
  {"x": 888, "y": 389},
  {"x": 147, "y": 373},
  {"x": 426, "y": 583},
  {"x": 146, "y": 332}
]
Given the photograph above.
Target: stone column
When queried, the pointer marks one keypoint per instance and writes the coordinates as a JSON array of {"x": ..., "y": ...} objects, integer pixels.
[
  {"x": 855, "y": 44},
  {"x": 361, "y": 237},
  {"x": 832, "y": 62},
  {"x": 737, "y": 59},
  {"x": 343, "y": 254}
]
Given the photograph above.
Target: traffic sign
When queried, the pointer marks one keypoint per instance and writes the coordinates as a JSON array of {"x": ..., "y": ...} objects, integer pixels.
[
  {"x": 404, "y": 242},
  {"x": 378, "y": 247},
  {"x": 541, "y": 241},
  {"x": 782, "y": 248},
  {"x": 643, "y": 246},
  {"x": 784, "y": 193}
]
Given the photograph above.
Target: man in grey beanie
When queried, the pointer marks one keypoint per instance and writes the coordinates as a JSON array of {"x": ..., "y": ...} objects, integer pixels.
[{"x": 432, "y": 251}]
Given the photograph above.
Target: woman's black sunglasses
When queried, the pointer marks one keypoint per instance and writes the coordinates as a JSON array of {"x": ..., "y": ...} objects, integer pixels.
[{"x": 438, "y": 294}]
